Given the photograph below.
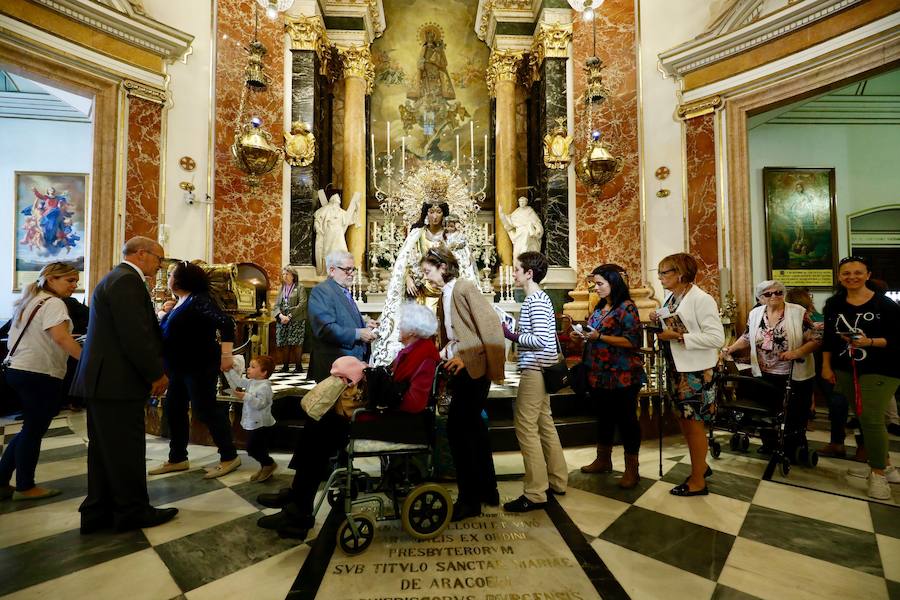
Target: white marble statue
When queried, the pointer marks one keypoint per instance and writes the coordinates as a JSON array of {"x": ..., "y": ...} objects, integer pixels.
[
  {"x": 524, "y": 228},
  {"x": 330, "y": 223}
]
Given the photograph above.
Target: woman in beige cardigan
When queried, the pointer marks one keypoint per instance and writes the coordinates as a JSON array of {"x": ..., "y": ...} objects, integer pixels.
[{"x": 473, "y": 348}]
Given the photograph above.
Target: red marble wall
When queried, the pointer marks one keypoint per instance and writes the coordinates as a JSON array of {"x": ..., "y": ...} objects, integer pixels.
[
  {"x": 247, "y": 224},
  {"x": 142, "y": 168},
  {"x": 700, "y": 145},
  {"x": 608, "y": 225}
]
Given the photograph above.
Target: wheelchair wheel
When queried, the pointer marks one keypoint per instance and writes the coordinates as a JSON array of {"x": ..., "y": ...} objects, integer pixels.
[
  {"x": 813, "y": 458},
  {"x": 735, "y": 442},
  {"x": 350, "y": 544},
  {"x": 336, "y": 494},
  {"x": 426, "y": 511},
  {"x": 715, "y": 448},
  {"x": 785, "y": 466}
]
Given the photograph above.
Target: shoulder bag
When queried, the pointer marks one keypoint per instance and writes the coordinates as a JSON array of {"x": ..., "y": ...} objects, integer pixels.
[
  {"x": 556, "y": 376},
  {"x": 8, "y": 405}
]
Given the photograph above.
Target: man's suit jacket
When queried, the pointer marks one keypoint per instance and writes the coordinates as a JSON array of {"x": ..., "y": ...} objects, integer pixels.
[
  {"x": 334, "y": 321},
  {"x": 122, "y": 355},
  {"x": 477, "y": 327}
]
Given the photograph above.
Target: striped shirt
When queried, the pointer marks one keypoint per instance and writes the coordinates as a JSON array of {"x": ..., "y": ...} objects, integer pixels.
[{"x": 537, "y": 333}]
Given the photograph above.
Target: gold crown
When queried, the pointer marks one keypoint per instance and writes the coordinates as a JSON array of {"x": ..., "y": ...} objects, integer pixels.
[{"x": 436, "y": 187}]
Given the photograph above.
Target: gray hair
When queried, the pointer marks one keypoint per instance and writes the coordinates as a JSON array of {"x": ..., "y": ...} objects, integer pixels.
[
  {"x": 138, "y": 243},
  {"x": 417, "y": 320},
  {"x": 336, "y": 258},
  {"x": 768, "y": 283}
]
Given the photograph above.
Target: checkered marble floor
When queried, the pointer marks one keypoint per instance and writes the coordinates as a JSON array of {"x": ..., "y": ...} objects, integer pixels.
[{"x": 747, "y": 539}]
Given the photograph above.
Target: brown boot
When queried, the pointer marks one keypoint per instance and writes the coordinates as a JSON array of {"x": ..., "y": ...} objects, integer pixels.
[
  {"x": 631, "y": 476},
  {"x": 833, "y": 451},
  {"x": 603, "y": 462}
]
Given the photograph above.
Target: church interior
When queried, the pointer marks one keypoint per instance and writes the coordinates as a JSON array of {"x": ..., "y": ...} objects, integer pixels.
[{"x": 258, "y": 137}]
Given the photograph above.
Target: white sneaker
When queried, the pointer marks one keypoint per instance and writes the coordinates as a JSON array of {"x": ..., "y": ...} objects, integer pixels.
[
  {"x": 861, "y": 470},
  {"x": 879, "y": 488},
  {"x": 891, "y": 474}
]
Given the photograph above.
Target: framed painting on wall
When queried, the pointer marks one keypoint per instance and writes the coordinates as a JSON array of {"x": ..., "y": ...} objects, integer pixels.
[
  {"x": 49, "y": 224},
  {"x": 801, "y": 227}
]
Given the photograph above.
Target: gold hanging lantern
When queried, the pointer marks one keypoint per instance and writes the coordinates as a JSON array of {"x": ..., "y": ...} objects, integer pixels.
[{"x": 597, "y": 167}]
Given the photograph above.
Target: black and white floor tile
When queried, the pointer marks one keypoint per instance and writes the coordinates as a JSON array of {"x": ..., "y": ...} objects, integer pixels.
[{"x": 807, "y": 535}]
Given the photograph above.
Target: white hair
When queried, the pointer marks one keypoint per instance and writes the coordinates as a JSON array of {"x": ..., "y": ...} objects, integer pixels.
[
  {"x": 336, "y": 258},
  {"x": 138, "y": 243},
  {"x": 417, "y": 320},
  {"x": 768, "y": 283}
]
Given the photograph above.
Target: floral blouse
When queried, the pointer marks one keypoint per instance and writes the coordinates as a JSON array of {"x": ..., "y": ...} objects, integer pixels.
[
  {"x": 771, "y": 340},
  {"x": 611, "y": 366}
]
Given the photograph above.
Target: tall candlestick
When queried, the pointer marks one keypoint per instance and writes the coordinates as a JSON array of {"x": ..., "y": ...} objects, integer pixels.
[
  {"x": 388, "y": 137},
  {"x": 457, "y": 151},
  {"x": 472, "y": 142}
]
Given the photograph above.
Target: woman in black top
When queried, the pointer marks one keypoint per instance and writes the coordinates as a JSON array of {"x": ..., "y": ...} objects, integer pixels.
[
  {"x": 862, "y": 333},
  {"x": 193, "y": 357}
]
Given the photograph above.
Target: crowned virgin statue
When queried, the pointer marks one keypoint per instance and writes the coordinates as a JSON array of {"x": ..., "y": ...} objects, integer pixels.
[{"x": 407, "y": 281}]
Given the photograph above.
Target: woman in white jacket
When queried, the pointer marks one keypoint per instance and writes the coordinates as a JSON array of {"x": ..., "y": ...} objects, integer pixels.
[
  {"x": 782, "y": 338},
  {"x": 693, "y": 330}
]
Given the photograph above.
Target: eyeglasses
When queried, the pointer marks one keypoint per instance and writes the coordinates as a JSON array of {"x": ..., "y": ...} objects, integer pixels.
[
  {"x": 348, "y": 270},
  {"x": 157, "y": 256},
  {"x": 773, "y": 293},
  {"x": 666, "y": 272}
]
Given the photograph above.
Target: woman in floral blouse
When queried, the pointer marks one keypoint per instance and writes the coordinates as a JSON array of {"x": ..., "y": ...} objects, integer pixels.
[
  {"x": 615, "y": 371},
  {"x": 781, "y": 337}
]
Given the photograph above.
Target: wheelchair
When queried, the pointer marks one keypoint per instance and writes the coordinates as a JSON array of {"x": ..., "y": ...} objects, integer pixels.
[
  {"x": 397, "y": 439},
  {"x": 746, "y": 406}
]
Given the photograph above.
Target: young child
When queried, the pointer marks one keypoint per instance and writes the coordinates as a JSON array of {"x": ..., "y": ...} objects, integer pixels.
[
  {"x": 256, "y": 392},
  {"x": 453, "y": 235}
]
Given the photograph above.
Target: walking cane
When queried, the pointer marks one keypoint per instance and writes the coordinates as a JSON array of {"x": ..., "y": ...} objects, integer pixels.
[{"x": 660, "y": 392}]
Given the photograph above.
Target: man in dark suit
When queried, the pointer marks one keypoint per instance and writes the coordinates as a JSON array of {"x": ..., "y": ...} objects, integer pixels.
[
  {"x": 120, "y": 367},
  {"x": 338, "y": 330}
]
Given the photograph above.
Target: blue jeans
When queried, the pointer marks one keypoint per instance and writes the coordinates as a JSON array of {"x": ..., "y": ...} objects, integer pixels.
[{"x": 41, "y": 398}]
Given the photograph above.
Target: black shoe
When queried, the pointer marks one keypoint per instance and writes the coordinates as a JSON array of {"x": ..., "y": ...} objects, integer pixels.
[
  {"x": 287, "y": 519},
  {"x": 298, "y": 368},
  {"x": 523, "y": 504},
  {"x": 94, "y": 524},
  {"x": 285, "y": 368},
  {"x": 279, "y": 499},
  {"x": 151, "y": 518},
  {"x": 464, "y": 511},
  {"x": 552, "y": 492},
  {"x": 893, "y": 428},
  {"x": 491, "y": 498},
  {"x": 684, "y": 490},
  {"x": 708, "y": 472}
]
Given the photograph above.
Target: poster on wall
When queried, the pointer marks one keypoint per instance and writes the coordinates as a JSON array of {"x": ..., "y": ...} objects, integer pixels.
[
  {"x": 801, "y": 240},
  {"x": 49, "y": 223}
]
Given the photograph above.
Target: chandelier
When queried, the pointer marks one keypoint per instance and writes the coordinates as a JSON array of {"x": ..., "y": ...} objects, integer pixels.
[
  {"x": 596, "y": 166},
  {"x": 253, "y": 150},
  {"x": 275, "y": 7}
]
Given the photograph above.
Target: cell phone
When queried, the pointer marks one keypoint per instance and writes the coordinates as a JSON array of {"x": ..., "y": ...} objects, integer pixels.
[{"x": 240, "y": 389}]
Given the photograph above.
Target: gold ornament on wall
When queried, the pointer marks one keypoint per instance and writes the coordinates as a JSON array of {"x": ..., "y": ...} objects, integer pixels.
[
  {"x": 662, "y": 173},
  {"x": 299, "y": 145},
  {"x": 556, "y": 146}
]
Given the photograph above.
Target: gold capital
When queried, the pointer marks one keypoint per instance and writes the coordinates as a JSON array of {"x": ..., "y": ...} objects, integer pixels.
[
  {"x": 308, "y": 33},
  {"x": 551, "y": 40},
  {"x": 356, "y": 61},
  {"x": 139, "y": 90},
  {"x": 503, "y": 65}
]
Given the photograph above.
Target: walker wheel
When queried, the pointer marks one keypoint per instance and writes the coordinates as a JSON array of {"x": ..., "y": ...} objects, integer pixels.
[
  {"x": 336, "y": 493},
  {"x": 735, "y": 442},
  {"x": 715, "y": 448},
  {"x": 356, "y": 544},
  {"x": 813, "y": 458},
  {"x": 745, "y": 442},
  {"x": 426, "y": 511}
]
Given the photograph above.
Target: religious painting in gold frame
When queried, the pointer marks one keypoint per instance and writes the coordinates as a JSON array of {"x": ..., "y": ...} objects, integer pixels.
[
  {"x": 49, "y": 221},
  {"x": 801, "y": 226}
]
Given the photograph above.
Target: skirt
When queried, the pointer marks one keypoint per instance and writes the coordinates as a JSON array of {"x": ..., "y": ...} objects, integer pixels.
[{"x": 290, "y": 334}]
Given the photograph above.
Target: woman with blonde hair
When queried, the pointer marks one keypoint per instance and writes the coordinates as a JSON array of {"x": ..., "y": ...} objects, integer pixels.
[{"x": 40, "y": 342}]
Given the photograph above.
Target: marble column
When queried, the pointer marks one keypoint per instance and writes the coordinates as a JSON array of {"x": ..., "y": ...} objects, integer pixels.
[
  {"x": 502, "y": 73},
  {"x": 308, "y": 63},
  {"x": 702, "y": 204},
  {"x": 142, "y": 185},
  {"x": 549, "y": 55},
  {"x": 359, "y": 74}
]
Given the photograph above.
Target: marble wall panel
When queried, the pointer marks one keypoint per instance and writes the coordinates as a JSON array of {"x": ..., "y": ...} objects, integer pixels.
[
  {"x": 608, "y": 225},
  {"x": 142, "y": 168},
  {"x": 247, "y": 224},
  {"x": 554, "y": 183},
  {"x": 700, "y": 145},
  {"x": 305, "y": 107}
]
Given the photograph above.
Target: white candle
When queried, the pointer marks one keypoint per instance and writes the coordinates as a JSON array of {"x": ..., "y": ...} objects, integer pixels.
[
  {"x": 485, "y": 152},
  {"x": 487, "y": 232},
  {"x": 374, "y": 230},
  {"x": 373, "y": 153},
  {"x": 388, "y": 137},
  {"x": 403, "y": 153},
  {"x": 457, "y": 151},
  {"x": 472, "y": 142}
]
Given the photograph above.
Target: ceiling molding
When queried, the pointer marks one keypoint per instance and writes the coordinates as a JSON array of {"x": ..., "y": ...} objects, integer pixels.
[
  {"x": 370, "y": 11},
  {"x": 704, "y": 51},
  {"x": 129, "y": 25}
]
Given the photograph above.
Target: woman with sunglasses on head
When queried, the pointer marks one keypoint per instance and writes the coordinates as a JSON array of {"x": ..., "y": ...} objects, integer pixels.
[
  {"x": 861, "y": 357},
  {"x": 40, "y": 341},
  {"x": 616, "y": 371},
  {"x": 782, "y": 337},
  {"x": 693, "y": 334}
]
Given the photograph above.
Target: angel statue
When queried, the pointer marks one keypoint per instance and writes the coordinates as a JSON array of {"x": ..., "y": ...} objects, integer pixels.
[
  {"x": 524, "y": 227},
  {"x": 330, "y": 222}
]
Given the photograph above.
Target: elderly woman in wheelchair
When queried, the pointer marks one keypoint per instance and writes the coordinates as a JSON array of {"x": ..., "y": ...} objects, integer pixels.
[{"x": 400, "y": 427}]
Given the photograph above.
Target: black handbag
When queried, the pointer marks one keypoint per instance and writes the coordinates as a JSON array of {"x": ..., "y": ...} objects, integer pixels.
[
  {"x": 382, "y": 392},
  {"x": 556, "y": 376},
  {"x": 578, "y": 376}
]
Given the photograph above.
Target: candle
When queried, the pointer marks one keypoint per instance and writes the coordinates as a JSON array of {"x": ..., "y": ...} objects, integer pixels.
[
  {"x": 485, "y": 152},
  {"x": 374, "y": 230},
  {"x": 388, "y": 137},
  {"x": 457, "y": 151},
  {"x": 373, "y": 153},
  {"x": 403, "y": 153},
  {"x": 487, "y": 232},
  {"x": 472, "y": 142}
]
